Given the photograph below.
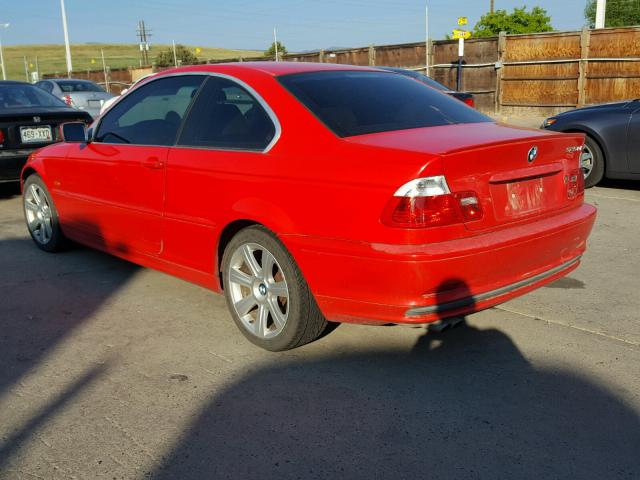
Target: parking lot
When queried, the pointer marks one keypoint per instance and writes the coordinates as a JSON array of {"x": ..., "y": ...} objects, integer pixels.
[{"x": 108, "y": 370}]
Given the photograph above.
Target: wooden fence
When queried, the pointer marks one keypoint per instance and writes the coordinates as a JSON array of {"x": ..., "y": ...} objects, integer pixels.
[{"x": 538, "y": 74}]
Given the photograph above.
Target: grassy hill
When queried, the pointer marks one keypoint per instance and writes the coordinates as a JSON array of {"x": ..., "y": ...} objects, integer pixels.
[{"x": 51, "y": 58}]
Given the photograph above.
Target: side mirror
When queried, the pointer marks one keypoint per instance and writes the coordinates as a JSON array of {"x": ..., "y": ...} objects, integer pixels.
[{"x": 75, "y": 132}]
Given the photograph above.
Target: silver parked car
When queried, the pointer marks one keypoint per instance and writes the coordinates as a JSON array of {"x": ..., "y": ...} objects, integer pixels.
[{"x": 81, "y": 94}]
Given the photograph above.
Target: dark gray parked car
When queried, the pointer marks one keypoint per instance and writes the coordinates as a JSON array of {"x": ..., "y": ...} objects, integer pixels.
[
  {"x": 81, "y": 94},
  {"x": 612, "y": 147}
]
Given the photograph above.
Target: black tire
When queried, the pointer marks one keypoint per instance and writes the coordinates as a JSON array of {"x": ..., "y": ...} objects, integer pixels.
[
  {"x": 55, "y": 241},
  {"x": 597, "y": 171},
  {"x": 304, "y": 322}
]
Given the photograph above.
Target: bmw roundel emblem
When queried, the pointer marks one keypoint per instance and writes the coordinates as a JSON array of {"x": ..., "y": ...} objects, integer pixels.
[{"x": 533, "y": 154}]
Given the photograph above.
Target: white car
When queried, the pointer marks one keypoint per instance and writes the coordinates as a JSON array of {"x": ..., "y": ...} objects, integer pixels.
[{"x": 81, "y": 94}]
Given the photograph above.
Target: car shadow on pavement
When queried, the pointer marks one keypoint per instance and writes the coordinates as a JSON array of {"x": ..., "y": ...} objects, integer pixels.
[
  {"x": 45, "y": 299},
  {"x": 9, "y": 190},
  {"x": 620, "y": 184},
  {"x": 461, "y": 404}
]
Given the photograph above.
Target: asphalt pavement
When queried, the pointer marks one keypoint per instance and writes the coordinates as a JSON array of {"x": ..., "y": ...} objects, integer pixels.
[{"x": 109, "y": 370}]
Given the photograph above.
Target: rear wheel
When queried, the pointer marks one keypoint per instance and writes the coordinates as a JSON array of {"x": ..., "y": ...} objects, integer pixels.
[
  {"x": 269, "y": 299},
  {"x": 41, "y": 216},
  {"x": 592, "y": 163}
]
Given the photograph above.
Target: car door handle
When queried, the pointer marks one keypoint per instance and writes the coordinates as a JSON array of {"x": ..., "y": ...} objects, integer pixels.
[{"x": 153, "y": 162}]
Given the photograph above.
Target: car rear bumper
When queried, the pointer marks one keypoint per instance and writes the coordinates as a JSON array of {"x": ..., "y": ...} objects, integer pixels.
[
  {"x": 372, "y": 283},
  {"x": 11, "y": 163}
]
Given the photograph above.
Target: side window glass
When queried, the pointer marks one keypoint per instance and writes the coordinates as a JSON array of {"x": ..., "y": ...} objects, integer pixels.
[
  {"x": 227, "y": 116},
  {"x": 151, "y": 114}
]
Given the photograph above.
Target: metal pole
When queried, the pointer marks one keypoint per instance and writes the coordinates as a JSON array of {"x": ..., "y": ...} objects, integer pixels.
[
  {"x": 26, "y": 68},
  {"x": 601, "y": 10},
  {"x": 175, "y": 57},
  {"x": 37, "y": 68},
  {"x": 491, "y": 7},
  {"x": 104, "y": 69},
  {"x": 66, "y": 39},
  {"x": 275, "y": 42},
  {"x": 426, "y": 40},
  {"x": 4, "y": 72},
  {"x": 460, "y": 55}
]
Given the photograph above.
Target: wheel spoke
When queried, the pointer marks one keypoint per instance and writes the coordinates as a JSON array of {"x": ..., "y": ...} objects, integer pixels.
[
  {"x": 47, "y": 229},
  {"x": 279, "y": 289},
  {"x": 268, "y": 261},
  {"x": 277, "y": 315},
  {"x": 245, "y": 305},
  {"x": 36, "y": 195},
  {"x": 251, "y": 261},
  {"x": 30, "y": 206},
  {"x": 236, "y": 276},
  {"x": 260, "y": 325}
]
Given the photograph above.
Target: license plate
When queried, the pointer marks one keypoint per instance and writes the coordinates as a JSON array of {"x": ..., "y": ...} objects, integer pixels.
[{"x": 36, "y": 134}]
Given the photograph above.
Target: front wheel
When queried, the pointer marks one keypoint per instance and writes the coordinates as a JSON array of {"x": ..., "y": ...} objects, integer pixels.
[
  {"x": 41, "y": 216},
  {"x": 267, "y": 295}
]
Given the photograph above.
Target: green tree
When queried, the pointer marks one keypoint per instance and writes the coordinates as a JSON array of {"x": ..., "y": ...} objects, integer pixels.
[
  {"x": 520, "y": 21},
  {"x": 620, "y": 13},
  {"x": 183, "y": 55},
  {"x": 271, "y": 52}
]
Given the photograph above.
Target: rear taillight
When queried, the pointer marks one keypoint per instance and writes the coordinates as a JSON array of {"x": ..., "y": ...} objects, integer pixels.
[
  {"x": 68, "y": 100},
  {"x": 469, "y": 101},
  {"x": 575, "y": 183},
  {"x": 1, "y": 137},
  {"x": 428, "y": 202}
]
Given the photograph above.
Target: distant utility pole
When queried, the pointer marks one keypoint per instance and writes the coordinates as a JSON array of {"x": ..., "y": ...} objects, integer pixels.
[
  {"x": 491, "y": 6},
  {"x": 601, "y": 10},
  {"x": 66, "y": 38},
  {"x": 143, "y": 35}
]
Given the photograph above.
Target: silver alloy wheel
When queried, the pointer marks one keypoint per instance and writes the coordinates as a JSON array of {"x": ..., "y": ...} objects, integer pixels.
[
  {"x": 586, "y": 161},
  {"x": 258, "y": 290},
  {"x": 38, "y": 213}
]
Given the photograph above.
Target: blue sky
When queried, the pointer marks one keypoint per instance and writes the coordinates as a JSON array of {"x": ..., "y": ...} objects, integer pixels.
[{"x": 301, "y": 24}]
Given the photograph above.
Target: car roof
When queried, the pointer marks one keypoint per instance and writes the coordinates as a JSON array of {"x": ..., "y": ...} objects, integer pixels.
[
  {"x": 68, "y": 80},
  {"x": 273, "y": 68},
  {"x": 13, "y": 82}
]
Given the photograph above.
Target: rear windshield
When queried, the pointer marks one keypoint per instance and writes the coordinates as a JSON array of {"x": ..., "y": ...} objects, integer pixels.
[
  {"x": 418, "y": 76},
  {"x": 356, "y": 103},
  {"x": 69, "y": 86},
  {"x": 21, "y": 96}
]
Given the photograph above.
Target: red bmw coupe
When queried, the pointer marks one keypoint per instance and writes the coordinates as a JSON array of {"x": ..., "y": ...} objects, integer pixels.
[{"x": 310, "y": 193}]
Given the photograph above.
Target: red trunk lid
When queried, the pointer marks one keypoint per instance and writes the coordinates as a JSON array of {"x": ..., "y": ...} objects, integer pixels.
[{"x": 515, "y": 172}]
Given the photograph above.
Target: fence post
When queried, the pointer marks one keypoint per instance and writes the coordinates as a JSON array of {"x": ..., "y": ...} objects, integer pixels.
[
  {"x": 321, "y": 56},
  {"x": 429, "y": 57},
  {"x": 502, "y": 48},
  {"x": 372, "y": 55},
  {"x": 585, "y": 41}
]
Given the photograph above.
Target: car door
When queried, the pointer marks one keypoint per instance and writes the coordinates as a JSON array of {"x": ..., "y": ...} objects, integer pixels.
[
  {"x": 222, "y": 144},
  {"x": 633, "y": 140},
  {"x": 113, "y": 186}
]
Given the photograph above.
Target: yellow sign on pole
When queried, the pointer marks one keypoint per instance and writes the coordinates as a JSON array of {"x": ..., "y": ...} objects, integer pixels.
[
  {"x": 457, "y": 34},
  {"x": 462, "y": 20},
  {"x": 198, "y": 50}
]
